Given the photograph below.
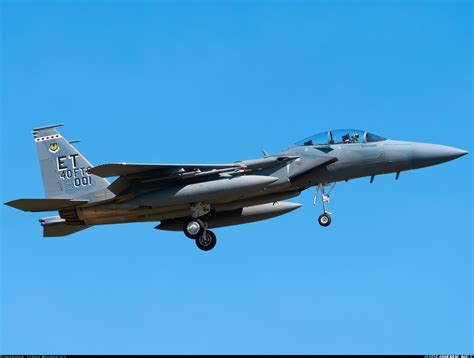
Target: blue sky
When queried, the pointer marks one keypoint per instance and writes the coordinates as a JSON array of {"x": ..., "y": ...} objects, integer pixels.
[{"x": 171, "y": 82}]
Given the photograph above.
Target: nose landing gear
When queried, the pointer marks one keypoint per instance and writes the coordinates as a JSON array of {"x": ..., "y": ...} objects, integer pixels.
[{"x": 325, "y": 218}]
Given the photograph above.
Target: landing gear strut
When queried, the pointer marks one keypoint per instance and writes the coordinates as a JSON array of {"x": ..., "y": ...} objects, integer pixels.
[{"x": 325, "y": 218}]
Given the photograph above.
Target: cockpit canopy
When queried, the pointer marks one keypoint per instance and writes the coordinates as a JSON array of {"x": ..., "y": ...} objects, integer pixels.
[{"x": 340, "y": 136}]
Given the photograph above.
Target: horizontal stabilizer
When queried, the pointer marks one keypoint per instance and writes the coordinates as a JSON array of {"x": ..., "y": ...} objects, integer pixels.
[
  {"x": 61, "y": 230},
  {"x": 55, "y": 226},
  {"x": 122, "y": 169},
  {"x": 35, "y": 205}
]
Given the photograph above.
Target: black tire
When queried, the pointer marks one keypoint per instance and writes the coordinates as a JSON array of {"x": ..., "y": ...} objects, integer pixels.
[
  {"x": 196, "y": 234},
  {"x": 324, "y": 219},
  {"x": 206, "y": 241}
]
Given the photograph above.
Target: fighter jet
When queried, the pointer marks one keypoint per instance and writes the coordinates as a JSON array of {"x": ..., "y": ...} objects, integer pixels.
[{"x": 195, "y": 198}]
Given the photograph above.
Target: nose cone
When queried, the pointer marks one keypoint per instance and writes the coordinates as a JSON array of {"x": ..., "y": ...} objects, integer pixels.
[{"x": 425, "y": 155}]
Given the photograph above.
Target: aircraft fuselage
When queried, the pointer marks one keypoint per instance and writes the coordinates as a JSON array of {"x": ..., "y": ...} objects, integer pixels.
[{"x": 275, "y": 183}]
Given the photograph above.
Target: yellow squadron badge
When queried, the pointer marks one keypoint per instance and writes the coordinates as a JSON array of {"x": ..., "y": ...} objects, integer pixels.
[{"x": 53, "y": 147}]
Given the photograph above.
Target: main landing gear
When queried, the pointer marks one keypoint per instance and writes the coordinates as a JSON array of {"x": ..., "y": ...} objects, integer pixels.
[
  {"x": 206, "y": 241},
  {"x": 325, "y": 218},
  {"x": 196, "y": 229}
]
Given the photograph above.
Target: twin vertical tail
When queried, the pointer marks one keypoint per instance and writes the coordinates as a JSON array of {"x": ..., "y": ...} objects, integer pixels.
[{"x": 64, "y": 168}]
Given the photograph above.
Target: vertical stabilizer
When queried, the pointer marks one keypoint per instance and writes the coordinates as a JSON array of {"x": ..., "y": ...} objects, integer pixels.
[{"x": 64, "y": 168}]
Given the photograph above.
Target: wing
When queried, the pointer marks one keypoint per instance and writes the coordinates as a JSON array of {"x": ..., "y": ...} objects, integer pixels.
[
  {"x": 157, "y": 175},
  {"x": 125, "y": 169},
  {"x": 122, "y": 169}
]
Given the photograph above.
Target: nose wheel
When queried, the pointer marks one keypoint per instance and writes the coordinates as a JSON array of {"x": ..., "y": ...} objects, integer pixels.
[{"x": 325, "y": 218}]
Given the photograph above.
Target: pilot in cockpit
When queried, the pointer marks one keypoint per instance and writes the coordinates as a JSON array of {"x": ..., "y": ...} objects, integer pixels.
[
  {"x": 346, "y": 138},
  {"x": 355, "y": 138}
]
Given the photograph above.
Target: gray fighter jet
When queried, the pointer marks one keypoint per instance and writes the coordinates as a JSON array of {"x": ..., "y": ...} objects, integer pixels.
[{"x": 197, "y": 197}]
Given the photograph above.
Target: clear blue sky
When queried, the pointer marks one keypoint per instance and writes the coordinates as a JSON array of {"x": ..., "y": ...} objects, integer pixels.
[{"x": 216, "y": 82}]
